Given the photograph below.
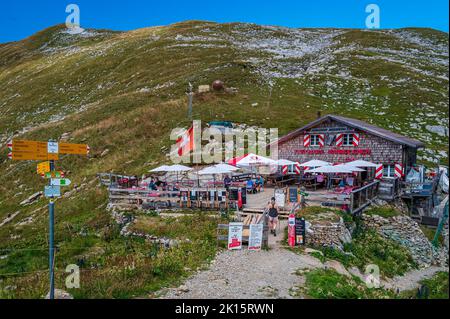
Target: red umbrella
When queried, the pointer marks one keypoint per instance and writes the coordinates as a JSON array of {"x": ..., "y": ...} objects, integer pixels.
[{"x": 234, "y": 160}]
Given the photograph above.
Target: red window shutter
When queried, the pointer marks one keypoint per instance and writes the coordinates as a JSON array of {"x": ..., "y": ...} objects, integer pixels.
[
  {"x": 339, "y": 139},
  {"x": 306, "y": 140},
  {"x": 321, "y": 140},
  {"x": 355, "y": 139}
]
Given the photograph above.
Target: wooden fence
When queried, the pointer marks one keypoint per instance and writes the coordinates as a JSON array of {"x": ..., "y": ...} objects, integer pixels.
[
  {"x": 134, "y": 198},
  {"x": 362, "y": 197}
]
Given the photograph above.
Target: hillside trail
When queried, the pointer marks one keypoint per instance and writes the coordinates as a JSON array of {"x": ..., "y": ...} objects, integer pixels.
[{"x": 244, "y": 274}]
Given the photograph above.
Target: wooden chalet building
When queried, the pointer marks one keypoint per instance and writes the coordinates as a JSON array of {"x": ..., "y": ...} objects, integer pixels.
[{"x": 339, "y": 139}]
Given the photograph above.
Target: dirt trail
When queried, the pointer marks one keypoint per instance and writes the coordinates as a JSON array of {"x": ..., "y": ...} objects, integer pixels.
[
  {"x": 411, "y": 279},
  {"x": 247, "y": 274}
]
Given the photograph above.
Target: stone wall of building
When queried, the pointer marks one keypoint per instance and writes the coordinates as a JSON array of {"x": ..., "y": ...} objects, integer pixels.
[{"x": 371, "y": 148}]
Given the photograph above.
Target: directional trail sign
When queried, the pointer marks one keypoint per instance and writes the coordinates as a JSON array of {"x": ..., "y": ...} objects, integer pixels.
[
  {"x": 48, "y": 152},
  {"x": 43, "y": 151},
  {"x": 54, "y": 174},
  {"x": 43, "y": 167},
  {"x": 31, "y": 150},
  {"x": 69, "y": 148},
  {"x": 52, "y": 191},
  {"x": 60, "y": 182}
]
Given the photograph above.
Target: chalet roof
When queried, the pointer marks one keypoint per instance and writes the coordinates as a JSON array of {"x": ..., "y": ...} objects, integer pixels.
[{"x": 363, "y": 126}]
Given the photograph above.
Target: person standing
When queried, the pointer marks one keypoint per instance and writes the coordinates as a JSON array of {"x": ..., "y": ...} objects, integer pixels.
[
  {"x": 273, "y": 216},
  {"x": 227, "y": 182}
]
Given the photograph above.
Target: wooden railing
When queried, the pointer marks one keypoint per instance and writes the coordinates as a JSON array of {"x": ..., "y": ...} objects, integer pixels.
[{"x": 362, "y": 197}]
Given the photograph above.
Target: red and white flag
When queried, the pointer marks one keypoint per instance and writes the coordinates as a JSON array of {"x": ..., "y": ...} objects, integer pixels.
[{"x": 185, "y": 143}]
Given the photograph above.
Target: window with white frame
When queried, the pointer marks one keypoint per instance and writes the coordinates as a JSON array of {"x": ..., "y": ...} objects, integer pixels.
[
  {"x": 314, "y": 140},
  {"x": 347, "y": 140},
  {"x": 291, "y": 169},
  {"x": 389, "y": 170}
]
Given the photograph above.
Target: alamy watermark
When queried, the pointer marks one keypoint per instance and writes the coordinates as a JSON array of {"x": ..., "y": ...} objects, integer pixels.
[
  {"x": 73, "y": 19},
  {"x": 372, "y": 273},
  {"x": 373, "y": 19}
]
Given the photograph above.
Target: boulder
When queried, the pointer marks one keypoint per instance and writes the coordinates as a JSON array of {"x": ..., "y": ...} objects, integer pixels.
[
  {"x": 60, "y": 294},
  {"x": 31, "y": 199}
]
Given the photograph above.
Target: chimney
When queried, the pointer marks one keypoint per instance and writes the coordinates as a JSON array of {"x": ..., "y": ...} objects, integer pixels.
[{"x": 319, "y": 114}]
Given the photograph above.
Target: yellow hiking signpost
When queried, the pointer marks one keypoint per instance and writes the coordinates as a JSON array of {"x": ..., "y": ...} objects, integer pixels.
[
  {"x": 23, "y": 150},
  {"x": 43, "y": 168}
]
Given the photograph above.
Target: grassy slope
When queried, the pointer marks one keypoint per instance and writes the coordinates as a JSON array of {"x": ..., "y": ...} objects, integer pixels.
[{"x": 91, "y": 87}]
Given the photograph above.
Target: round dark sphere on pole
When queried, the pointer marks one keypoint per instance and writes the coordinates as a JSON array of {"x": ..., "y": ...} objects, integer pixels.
[{"x": 218, "y": 85}]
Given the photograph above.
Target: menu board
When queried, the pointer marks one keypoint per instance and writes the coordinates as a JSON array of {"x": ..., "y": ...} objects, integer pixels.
[
  {"x": 244, "y": 195},
  {"x": 235, "y": 235},
  {"x": 280, "y": 199},
  {"x": 293, "y": 195},
  {"x": 300, "y": 231},
  {"x": 255, "y": 238}
]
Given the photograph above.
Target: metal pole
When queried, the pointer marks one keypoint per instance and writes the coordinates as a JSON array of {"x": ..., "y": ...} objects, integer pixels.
[
  {"x": 190, "y": 95},
  {"x": 51, "y": 249}
]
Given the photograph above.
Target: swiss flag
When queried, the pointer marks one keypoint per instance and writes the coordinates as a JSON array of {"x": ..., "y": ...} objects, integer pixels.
[{"x": 185, "y": 142}]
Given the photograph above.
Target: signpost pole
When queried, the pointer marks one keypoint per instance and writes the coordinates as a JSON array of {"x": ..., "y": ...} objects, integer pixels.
[{"x": 51, "y": 211}]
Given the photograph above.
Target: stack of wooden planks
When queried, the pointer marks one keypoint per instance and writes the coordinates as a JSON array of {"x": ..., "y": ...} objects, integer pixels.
[{"x": 251, "y": 219}]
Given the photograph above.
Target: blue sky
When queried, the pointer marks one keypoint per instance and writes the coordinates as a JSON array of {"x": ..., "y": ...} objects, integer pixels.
[{"x": 20, "y": 18}]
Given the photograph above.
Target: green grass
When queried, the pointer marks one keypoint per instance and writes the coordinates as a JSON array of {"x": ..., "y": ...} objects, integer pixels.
[
  {"x": 371, "y": 248},
  {"x": 384, "y": 211},
  {"x": 432, "y": 288},
  {"x": 328, "y": 284},
  {"x": 113, "y": 266}
]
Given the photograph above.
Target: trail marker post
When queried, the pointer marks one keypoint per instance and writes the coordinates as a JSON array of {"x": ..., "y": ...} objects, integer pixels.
[{"x": 49, "y": 152}]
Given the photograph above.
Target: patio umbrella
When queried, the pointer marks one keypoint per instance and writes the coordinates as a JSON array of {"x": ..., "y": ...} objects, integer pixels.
[
  {"x": 361, "y": 163},
  {"x": 315, "y": 163},
  {"x": 255, "y": 160},
  {"x": 230, "y": 168},
  {"x": 214, "y": 170},
  {"x": 236, "y": 159},
  {"x": 282, "y": 162},
  {"x": 159, "y": 169},
  {"x": 331, "y": 169},
  {"x": 350, "y": 167},
  {"x": 178, "y": 168}
]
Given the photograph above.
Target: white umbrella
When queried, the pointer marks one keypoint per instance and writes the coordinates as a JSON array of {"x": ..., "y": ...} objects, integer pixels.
[
  {"x": 282, "y": 162},
  {"x": 213, "y": 170},
  {"x": 230, "y": 168},
  {"x": 162, "y": 168},
  {"x": 255, "y": 160},
  {"x": 330, "y": 169},
  {"x": 350, "y": 167},
  {"x": 178, "y": 168},
  {"x": 315, "y": 163},
  {"x": 361, "y": 163}
]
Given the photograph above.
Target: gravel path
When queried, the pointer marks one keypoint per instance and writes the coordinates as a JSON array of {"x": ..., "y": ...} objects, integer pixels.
[
  {"x": 244, "y": 274},
  {"x": 411, "y": 279}
]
